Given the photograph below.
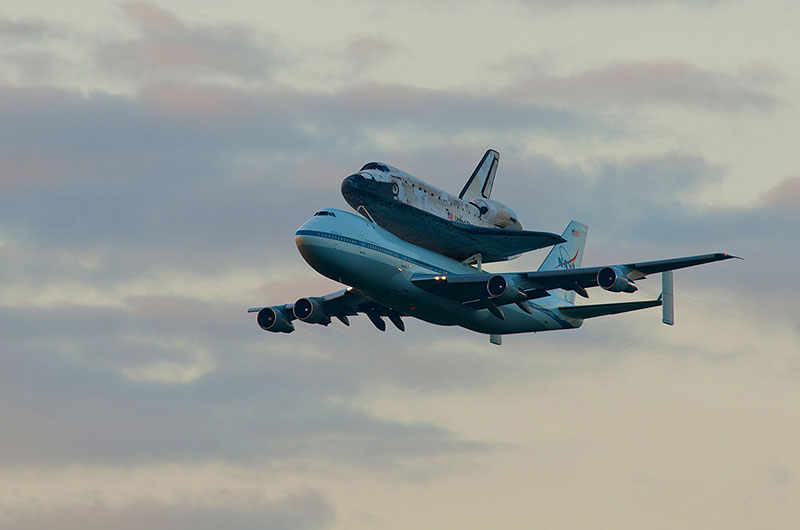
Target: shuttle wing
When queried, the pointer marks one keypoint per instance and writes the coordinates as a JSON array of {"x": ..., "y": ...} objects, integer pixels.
[
  {"x": 460, "y": 240},
  {"x": 494, "y": 244}
]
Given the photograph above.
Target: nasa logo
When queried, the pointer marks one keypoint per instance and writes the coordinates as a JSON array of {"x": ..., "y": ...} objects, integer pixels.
[{"x": 564, "y": 261}]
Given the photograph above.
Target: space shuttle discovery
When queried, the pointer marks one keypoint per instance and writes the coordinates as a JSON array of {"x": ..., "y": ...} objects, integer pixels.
[{"x": 469, "y": 225}]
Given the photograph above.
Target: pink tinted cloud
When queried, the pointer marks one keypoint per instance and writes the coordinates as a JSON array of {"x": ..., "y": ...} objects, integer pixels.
[
  {"x": 661, "y": 81},
  {"x": 784, "y": 194},
  {"x": 278, "y": 292},
  {"x": 367, "y": 51},
  {"x": 151, "y": 18},
  {"x": 169, "y": 46},
  {"x": 25, "y": 170},
  {"x": 195, "y": 102}
]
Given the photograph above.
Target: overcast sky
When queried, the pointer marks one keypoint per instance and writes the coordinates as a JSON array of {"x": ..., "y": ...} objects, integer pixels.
[{"x": 156, "y": 158}]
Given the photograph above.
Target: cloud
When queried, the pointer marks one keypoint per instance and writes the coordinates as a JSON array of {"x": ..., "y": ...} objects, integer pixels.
[
  {"x": 28, "y": 29},
  {"x": 127, "y": 181},
  {"x": 35, "y": 66},
  {"x": 367, "y": 51},
  {"x": 171, "y": 48},
  {"x": 130, "y": 386},
  {"x": 560, "y": 4},
  {"x": 785, "y": 194},
  {"x": 666, "y": 81},
  {"x": 296, "y": 511}
]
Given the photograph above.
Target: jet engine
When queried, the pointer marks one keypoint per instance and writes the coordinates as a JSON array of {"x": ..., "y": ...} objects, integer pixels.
[
  {"x": 614, "y": 280},
  {"x": 273, "y": 319},
  {"x": 310, "y": 310},
  {"x": 503, "y": 290}
]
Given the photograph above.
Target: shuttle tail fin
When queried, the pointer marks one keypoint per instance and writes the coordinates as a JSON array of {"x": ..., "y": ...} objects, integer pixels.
[
  {"x": 567, "y": 255},
  {"x": 482, "y": 179}
]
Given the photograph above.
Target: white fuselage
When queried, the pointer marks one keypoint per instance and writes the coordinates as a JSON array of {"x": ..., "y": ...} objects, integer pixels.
[
  {"x": 378, "y": 189},
  {"x": 353, "y": 251}
]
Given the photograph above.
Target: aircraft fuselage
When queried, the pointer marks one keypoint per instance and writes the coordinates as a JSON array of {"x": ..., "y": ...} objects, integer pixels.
[
  {"x": 353, "y": 251},
  {"x": 387, "y": 192}
]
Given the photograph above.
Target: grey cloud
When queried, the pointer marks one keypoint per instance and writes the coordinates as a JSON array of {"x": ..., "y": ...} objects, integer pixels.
[
  {"x": 29, "y": 29},
  {"x": 366, "y": 51},
  {"x": 133, "y": 179},
  {"x": 68, "y": 401},
  {"x": 564, "y": 4},
  {"x": 636, "y": 209},
  {"x": 168, "y": 46},
  {"x": 785, "y": 195},
  {"x": 671, "y": 82},
  {"x": 35, "y": 66},
  {"x": 296, "y": 511}
]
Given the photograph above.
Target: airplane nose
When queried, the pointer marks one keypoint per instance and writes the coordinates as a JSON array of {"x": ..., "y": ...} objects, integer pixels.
[{"x": 353, "y": 183}]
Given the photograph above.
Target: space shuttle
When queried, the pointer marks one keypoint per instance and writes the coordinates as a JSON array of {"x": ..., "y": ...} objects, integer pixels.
[{"x": 468, "y": 226}]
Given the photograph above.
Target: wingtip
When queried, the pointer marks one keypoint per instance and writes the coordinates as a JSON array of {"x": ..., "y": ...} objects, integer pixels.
[{"x": 725, "y": 255}]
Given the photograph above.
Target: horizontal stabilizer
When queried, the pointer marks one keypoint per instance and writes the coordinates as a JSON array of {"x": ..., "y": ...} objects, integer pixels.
[{"x": 599, "y": 310}]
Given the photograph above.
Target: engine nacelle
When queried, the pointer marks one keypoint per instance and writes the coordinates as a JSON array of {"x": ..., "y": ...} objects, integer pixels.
[
  {"x": 309, "y": 310},
  {"x": 614, "y": 280},
  {"x": 503, "y": 290},
  {"x": 274, "y": 320}
]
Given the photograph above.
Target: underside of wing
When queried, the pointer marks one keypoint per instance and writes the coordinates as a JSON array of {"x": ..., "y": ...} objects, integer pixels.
[
  {"x": 491, "y": 291},
  {"x": 320, "y": 309},
  {"x": 460, "y": 241}
]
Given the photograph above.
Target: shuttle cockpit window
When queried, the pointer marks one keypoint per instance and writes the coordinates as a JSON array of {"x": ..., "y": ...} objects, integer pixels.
[
  {"x": 324, "y": 212},
  {"x": 375, "y": 165}
]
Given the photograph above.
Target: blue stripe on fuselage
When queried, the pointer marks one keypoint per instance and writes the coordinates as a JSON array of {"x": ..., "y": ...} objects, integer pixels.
[
  {"x": 552, "y": 313},
  {"x": 372, "y": 246}
]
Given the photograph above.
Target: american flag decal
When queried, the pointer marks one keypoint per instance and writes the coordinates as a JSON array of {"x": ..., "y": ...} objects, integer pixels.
[{"x": 576, "y": 233}]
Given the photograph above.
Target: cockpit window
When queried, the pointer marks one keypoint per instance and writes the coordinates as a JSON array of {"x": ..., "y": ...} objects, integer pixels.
[
  {"x": 375, "y": 165},
  {"x": 324, "y": 212}
]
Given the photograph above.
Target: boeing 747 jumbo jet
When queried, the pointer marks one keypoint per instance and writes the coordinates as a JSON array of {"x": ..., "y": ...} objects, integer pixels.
[
  {"x": 392, "y": 278},
  {"x": 457, "y": 227}
]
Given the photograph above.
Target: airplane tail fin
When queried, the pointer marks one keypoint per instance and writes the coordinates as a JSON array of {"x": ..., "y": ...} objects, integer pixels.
[
  {"x": 567, "y": 255},
  {"x": 482, "y": 179}
]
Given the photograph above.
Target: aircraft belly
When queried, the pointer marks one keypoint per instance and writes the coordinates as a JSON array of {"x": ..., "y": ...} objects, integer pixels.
[
  {"x": 518, "y": 321},
  {"x": 378, "y": 277},
  {"x": 386, "y": 280}
]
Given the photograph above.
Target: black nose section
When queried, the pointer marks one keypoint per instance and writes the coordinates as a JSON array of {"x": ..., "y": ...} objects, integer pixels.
[{"x": 353, "y": 183}]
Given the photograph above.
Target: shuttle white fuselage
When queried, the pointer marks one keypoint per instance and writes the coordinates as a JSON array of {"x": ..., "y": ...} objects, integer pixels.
[
  {"x": 456, "y": 226},
  {"x": 377, "y": 182}
]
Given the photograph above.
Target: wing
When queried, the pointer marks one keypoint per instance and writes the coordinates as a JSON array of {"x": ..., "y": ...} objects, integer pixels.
[
  {"x": 538, "y": 283},
  {"x": 494, "y": 244},
  {"x": 460, "y": 240},
  {"x": 320, "y": 309},
  {"x": 492, "y": 290}
]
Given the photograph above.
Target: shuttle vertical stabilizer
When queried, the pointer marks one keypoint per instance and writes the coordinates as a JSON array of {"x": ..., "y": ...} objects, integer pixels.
[{"x": 481, "y": 181}]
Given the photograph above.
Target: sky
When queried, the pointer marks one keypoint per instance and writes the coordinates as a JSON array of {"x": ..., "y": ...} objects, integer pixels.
[{"x": 157, "y": 157}]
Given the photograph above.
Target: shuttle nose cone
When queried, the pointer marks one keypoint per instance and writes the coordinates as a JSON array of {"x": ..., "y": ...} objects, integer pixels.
[{"x": 352, "y": 184}]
